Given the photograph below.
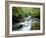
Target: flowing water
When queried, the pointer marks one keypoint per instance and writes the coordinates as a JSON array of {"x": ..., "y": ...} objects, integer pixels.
[{"x": 26, "y": 24}]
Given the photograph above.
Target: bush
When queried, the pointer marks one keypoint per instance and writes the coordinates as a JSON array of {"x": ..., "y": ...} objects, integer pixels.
[{"x": 26, "y": 11}]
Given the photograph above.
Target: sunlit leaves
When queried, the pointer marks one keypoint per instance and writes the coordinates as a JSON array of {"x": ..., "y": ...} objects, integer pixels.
[{"x": 25, "y": 11}]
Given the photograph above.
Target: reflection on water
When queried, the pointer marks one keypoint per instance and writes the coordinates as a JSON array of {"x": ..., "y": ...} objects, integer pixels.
[{"x": 24, "y": 25}]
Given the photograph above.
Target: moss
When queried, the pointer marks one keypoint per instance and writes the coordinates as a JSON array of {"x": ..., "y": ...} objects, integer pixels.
[{"x": 35, "y": 26}]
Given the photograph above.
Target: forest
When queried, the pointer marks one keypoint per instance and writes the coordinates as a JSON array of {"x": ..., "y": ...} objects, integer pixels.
[{"x": 25, "y": 17}]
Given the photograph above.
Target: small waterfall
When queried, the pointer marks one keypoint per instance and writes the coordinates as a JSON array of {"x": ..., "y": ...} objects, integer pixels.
[{"x": 26, "y": 24}]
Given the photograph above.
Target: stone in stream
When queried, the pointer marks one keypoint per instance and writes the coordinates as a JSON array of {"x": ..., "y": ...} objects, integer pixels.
[
  {"x": 35, "y": 24},
  {"x": 17, "y": 26}
]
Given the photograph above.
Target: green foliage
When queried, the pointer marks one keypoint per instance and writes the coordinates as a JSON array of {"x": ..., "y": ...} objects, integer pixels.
[
  {"x": 35, "y": 12},
  {"x": 25, "y": 11}
]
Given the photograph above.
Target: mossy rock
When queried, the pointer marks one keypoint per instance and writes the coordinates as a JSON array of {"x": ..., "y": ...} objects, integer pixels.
[{"x": 35, "y": 25}]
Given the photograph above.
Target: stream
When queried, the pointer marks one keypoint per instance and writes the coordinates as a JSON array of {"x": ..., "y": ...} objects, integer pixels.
[
  {"x": 26, "y": 24},
  {"x": 23, "y": 26}
]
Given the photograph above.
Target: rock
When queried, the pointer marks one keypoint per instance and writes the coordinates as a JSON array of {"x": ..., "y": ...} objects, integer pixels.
[
  {"x": 17, "y": 27},
  {"x": 35, "y": 24}
]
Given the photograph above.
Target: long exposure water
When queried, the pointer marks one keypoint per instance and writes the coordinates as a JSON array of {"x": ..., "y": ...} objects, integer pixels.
[{"x": 26, "y": 24}]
